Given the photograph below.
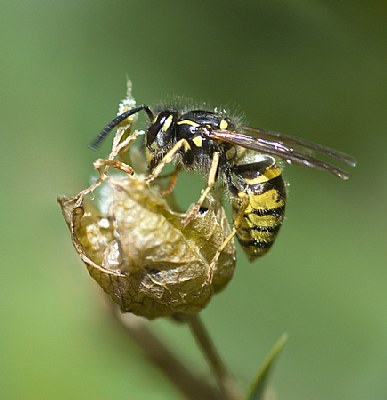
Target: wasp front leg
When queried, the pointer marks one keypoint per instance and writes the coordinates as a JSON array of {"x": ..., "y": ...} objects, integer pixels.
[
  {"x": 167, "y": 159},
  {"x": 193, "y": 210}
]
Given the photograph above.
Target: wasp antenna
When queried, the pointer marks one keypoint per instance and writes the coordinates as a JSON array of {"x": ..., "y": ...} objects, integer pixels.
[{"x": 112, "y": 124}]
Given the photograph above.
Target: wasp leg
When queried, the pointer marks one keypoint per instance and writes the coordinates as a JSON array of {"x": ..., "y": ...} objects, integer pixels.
[
  {"x": 239, "y": 217},
  {"x": 237, "y": 223},
  {"x": 193, "y": 211},
  {"x": 171, "y": 184},
  {"x": 167, "y": 159}
]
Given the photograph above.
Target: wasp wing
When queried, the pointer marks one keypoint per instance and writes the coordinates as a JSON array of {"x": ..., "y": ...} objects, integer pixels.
[
  {"x": 304, "y": 143},
  {"x": 281, "y": 146}
]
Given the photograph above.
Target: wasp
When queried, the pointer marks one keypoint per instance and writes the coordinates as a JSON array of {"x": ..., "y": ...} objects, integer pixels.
[{"x": 243, "y": 158}]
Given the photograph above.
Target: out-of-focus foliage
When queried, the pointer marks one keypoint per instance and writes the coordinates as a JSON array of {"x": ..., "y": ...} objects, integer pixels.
[{"x": 313, "y": 69}]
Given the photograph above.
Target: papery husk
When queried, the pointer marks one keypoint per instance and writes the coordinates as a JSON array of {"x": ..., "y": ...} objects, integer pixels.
[{"x": 141, "y": 254}]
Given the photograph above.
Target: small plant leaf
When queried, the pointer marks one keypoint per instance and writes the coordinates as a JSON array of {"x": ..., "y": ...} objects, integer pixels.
[{"x": 259, "y": 385}]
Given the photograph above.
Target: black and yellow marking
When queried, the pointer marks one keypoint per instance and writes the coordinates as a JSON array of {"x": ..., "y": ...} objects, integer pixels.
[
  {"x": 258, "y": 207},
  {"x": 242, "y": 157},
  {"x": 187, "y": 122}
]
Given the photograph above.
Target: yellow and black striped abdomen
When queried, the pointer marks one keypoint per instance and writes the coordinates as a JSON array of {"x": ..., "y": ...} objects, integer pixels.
[{"x": 258, "y": 205}]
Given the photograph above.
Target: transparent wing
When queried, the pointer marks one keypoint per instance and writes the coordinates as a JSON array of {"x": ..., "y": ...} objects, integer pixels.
[
  {"x": 288, "y": 139},
  {"x": 289, "y": 148}
]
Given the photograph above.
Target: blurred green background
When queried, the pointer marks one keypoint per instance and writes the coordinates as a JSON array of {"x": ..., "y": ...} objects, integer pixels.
[{"x": 316, "y": 69}]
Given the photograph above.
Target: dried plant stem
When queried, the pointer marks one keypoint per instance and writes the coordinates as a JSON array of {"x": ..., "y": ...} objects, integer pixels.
[
  {"x": 225, "y": 381},
  {"x": 157, "y": 352}
]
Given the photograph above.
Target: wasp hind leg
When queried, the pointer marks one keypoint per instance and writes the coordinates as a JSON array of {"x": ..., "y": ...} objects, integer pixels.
[
  {"x": 237, "y": 224},
  {"x": 193, "y": 210}
]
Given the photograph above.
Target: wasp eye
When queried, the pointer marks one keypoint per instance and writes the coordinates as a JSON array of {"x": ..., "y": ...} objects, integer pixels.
[
  {"x": 162, "y": 122},
  {"x": 167, "y": 123}
]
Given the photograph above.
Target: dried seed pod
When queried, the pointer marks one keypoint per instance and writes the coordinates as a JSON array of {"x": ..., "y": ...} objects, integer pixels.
[{"x": 141, "y": 254}]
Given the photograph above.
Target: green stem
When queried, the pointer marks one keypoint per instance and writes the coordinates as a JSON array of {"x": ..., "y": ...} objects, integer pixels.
[
  {"x": 157, "y": 352},
  {"x": 225, "y": 381}
]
